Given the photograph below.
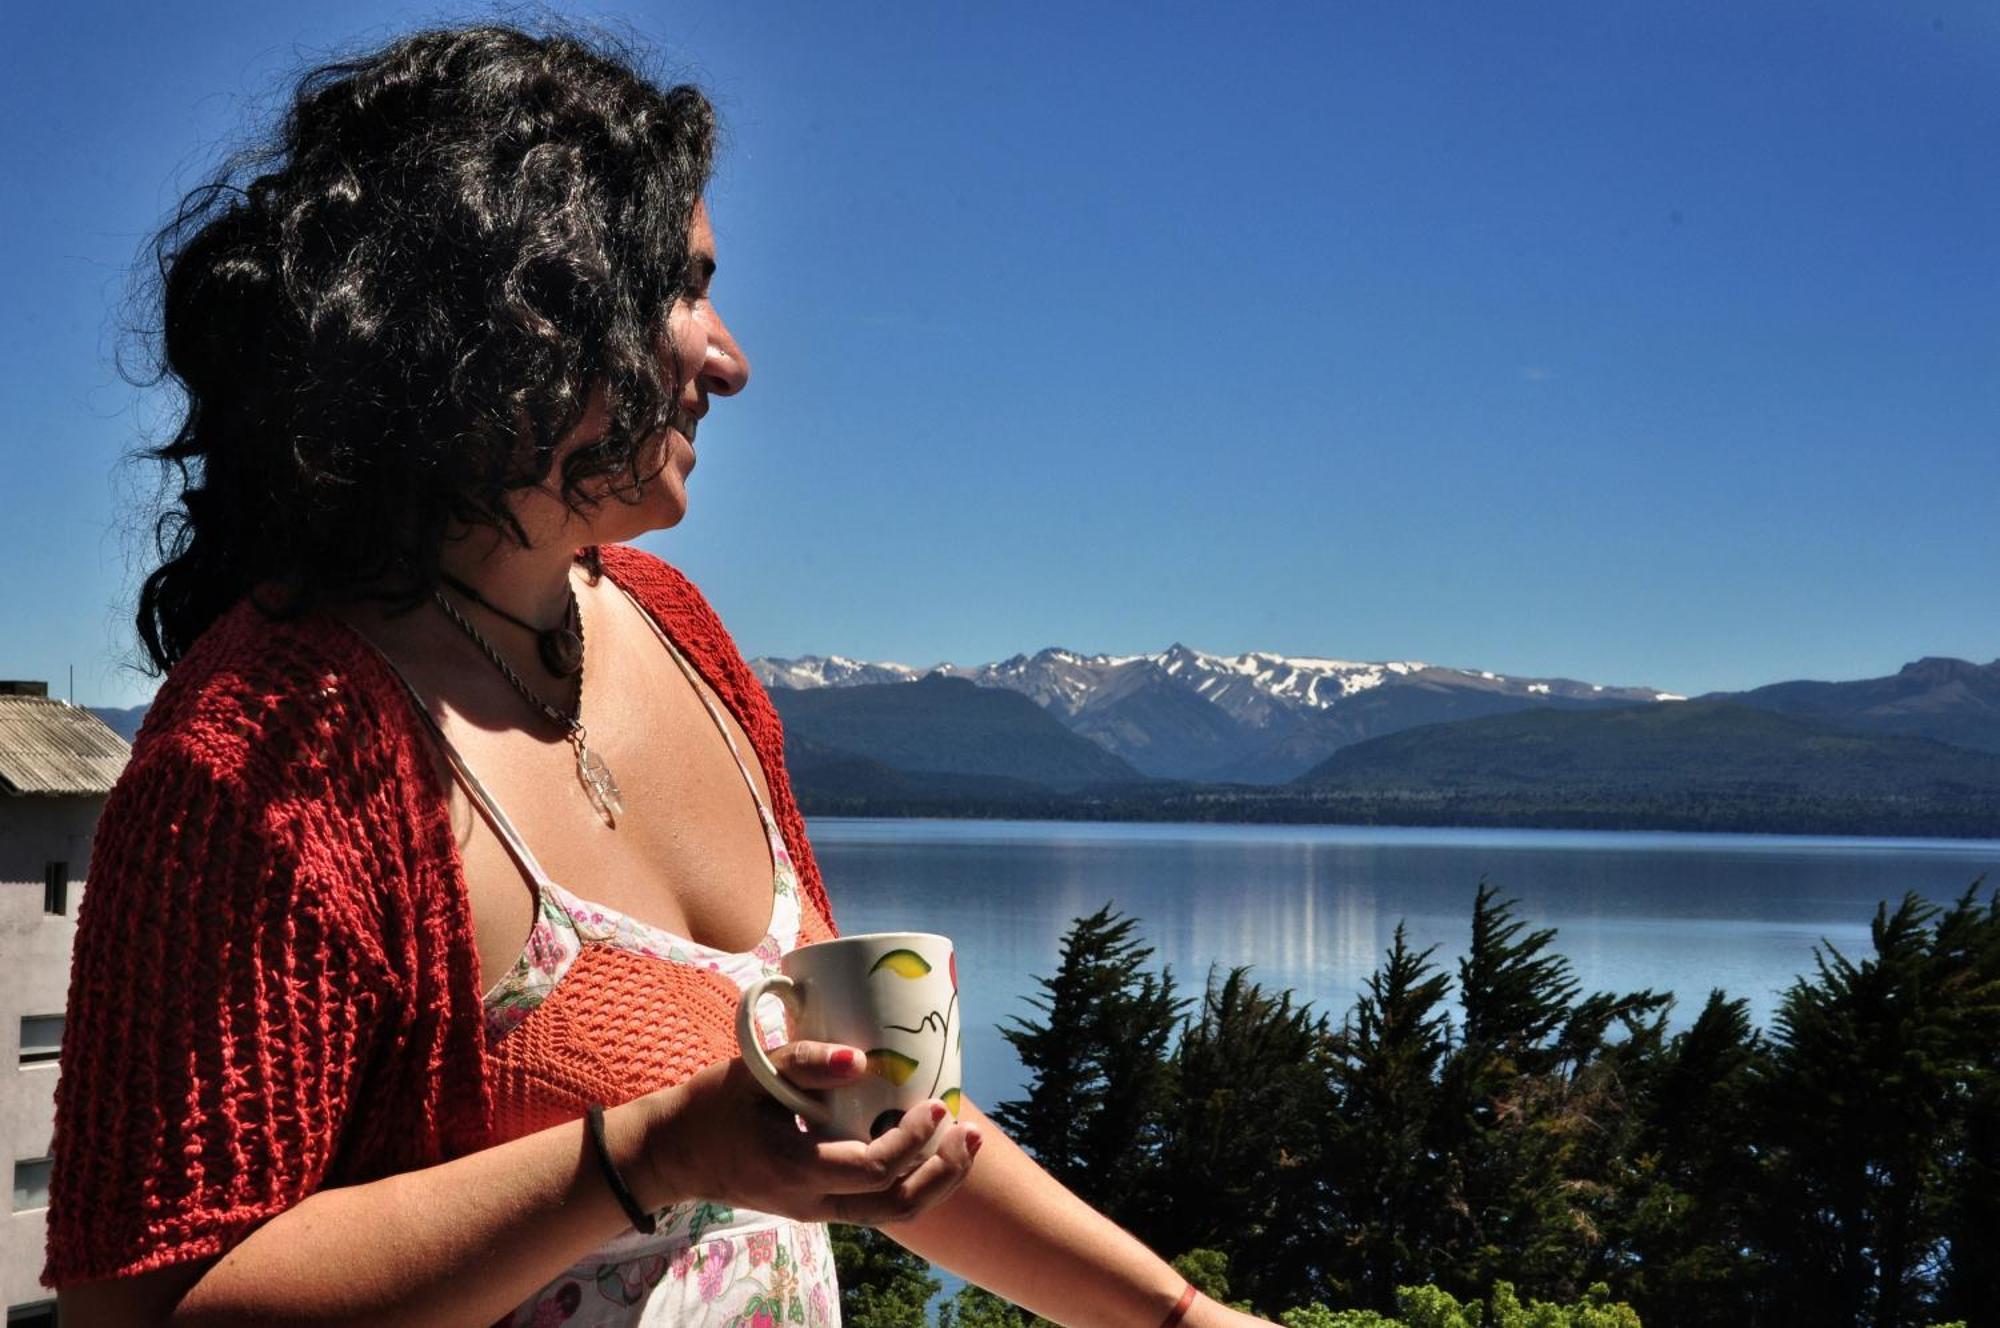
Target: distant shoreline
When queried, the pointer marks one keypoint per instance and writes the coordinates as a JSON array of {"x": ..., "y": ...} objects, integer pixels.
[
  {"x": 1694, "y": 816},
  {"x": 1694, "y": 838}
]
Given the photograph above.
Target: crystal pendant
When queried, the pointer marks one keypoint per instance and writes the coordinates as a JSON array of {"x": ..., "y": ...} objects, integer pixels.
[{"x": 595, "y": 776}]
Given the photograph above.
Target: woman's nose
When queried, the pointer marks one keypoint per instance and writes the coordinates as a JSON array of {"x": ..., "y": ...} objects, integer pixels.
[{"x": 725, "y": 368}]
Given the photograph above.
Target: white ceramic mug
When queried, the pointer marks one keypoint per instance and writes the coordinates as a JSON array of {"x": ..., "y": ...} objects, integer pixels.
[{"x": 893, "y": 994}]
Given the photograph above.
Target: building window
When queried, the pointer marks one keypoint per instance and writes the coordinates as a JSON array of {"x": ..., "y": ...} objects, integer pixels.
[
  {"x": 55, "y": 888},
  {"x": 41, "y": 1314},
  {"x": 31, "y": 1183},
  {"x": 41, "y": 1038}
]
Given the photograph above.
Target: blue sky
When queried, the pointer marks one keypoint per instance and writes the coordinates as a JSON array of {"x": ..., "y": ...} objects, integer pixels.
[{"x": 1640, "y": 344}]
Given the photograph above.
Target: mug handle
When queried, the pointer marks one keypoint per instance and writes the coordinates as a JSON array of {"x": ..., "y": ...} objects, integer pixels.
[{"x": 759, "y": 1061}]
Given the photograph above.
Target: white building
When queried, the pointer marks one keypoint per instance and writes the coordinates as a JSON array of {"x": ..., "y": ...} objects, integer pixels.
[{"x": 57, "y": 762}]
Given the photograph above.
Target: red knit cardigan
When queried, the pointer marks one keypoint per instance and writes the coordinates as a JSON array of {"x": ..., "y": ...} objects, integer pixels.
[{"x": 275, "y": 987}]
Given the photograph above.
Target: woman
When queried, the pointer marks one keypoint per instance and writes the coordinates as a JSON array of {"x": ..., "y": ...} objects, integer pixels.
[{"x": 445, "y": 350}]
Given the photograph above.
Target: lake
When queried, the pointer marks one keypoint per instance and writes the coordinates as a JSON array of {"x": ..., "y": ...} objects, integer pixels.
[{"x": 1312, "y": 908}]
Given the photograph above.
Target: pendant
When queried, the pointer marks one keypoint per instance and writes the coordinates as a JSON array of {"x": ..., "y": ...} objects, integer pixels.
[
  {"x": 561, "y": 650},
  {"x": 595, "y": 776}
]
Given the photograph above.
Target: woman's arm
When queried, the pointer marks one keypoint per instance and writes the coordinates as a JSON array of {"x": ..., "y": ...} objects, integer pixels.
[
  {"x": 468, "y": 1240},
  {"x": 1017, "y": 1231},
  {"x": 462, "y": 1242}
]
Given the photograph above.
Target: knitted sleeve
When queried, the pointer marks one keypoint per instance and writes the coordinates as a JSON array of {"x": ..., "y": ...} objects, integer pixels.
[
  {"x": 221, "y": 1009},
  {"x": 685, "y": 615}
]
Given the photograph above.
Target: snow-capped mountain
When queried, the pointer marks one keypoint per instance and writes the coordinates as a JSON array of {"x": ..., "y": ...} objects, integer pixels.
[
  {"x": 1256, "y": 717},
  {"x": 810, "y": 671}
]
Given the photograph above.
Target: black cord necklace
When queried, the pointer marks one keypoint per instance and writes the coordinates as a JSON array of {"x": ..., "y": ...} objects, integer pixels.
[{"x": 560, "y": 647}]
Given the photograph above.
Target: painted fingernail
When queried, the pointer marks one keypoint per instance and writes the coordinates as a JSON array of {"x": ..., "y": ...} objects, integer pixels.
[
  {"x": 973, "y": 1141},
  {"x": 938, "y": 1112},
  {"x": 842, "y": 1059}
]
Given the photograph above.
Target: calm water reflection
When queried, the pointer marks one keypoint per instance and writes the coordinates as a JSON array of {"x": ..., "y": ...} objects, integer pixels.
[{"x": 1312, "y": 908}]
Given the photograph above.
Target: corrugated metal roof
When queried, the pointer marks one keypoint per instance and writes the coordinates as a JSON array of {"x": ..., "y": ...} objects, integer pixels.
[{"x": 48, "y": 746}]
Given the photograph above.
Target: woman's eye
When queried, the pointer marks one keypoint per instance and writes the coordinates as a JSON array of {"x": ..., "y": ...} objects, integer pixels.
[{"x": 694, "y": 285}]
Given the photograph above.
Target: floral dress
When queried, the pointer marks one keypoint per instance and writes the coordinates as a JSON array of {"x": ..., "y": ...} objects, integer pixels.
[{"x": 706, "y": 1264}]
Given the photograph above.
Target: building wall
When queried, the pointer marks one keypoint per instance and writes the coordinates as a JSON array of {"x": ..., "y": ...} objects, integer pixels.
[{"x": 34, "y": 957}]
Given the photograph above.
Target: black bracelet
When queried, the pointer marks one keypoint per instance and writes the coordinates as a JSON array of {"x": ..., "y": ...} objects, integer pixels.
[{"x": 642, "y": 1221}]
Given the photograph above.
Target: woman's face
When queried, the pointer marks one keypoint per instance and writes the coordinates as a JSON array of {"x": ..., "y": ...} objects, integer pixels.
[
  {"x": 699, "y": 354},
  {"x": 704, "y": 358}
]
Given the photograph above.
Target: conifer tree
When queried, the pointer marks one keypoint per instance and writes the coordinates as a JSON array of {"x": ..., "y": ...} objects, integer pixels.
[
  {"x": 1534, "y": 1108},
  {"x": 1513, "y": 996},
  {"x": 1243, "y": 1142},
  {"x": 1967, "y": 951},
  {"x": 1691, "y": 1164},
  {"x": 1865, "y": 1118},
  {"x": 1388, "y": 1180},
  {"x": 1610, "y": 1052},
  {"x": 1097, "y": 1070},
  {"x": 1971, "y": 1280},
  {"x": 1508, "y": 1205}
]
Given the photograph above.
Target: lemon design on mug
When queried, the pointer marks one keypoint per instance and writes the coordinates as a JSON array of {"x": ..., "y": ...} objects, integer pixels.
[
  {"x": 895, "y": 1066},
  {"x": 903, "y": 963},
  {"x": 892, "y": 1065}
]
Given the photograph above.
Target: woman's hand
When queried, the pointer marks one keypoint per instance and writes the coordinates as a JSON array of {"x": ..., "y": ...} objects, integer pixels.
[{"x": 720, "y": 1136}]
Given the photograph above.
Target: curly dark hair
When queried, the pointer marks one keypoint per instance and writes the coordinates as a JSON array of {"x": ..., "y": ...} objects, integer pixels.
[{"x": 384, "y": 322}]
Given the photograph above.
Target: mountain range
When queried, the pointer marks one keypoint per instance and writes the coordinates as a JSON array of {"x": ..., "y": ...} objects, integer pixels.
[
  {"x": 1254, "y": 718},
  {"x": 1260, "y": 736}
]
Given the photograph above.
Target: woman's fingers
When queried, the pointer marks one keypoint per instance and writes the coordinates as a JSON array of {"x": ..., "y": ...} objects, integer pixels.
[
  {"x": 732, "y": 1141},
  {"x": 929, "y": 1184},
  {"x": 820, "y": 1064},
  {"x": 861, "y": 1169},
  {"x": 895, "y": 1153},
  {"x": 909, "y": 1139}
]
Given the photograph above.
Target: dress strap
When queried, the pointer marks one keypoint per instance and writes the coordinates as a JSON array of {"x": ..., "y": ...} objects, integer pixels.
[
  {"x": 517, "y": 848},
  {"x": 708, "y": 704}
]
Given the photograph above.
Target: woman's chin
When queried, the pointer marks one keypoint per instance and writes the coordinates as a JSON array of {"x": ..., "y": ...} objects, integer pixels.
[
  {"x": 668, "y": 506},
  {"x": 664, "y": 507}
]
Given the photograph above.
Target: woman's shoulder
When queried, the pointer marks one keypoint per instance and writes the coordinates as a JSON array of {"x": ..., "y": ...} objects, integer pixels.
[
  {"x": 280, "y": 761},
  {"x": 652, "y": 580},
  {"x": 683, "y": 613},
  {"x": 261, "y": 698},
  {"x": 676, "y": 603}
]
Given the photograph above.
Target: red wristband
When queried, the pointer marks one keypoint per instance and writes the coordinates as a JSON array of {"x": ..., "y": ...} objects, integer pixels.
[{"x": 1180, "y": 1307}]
